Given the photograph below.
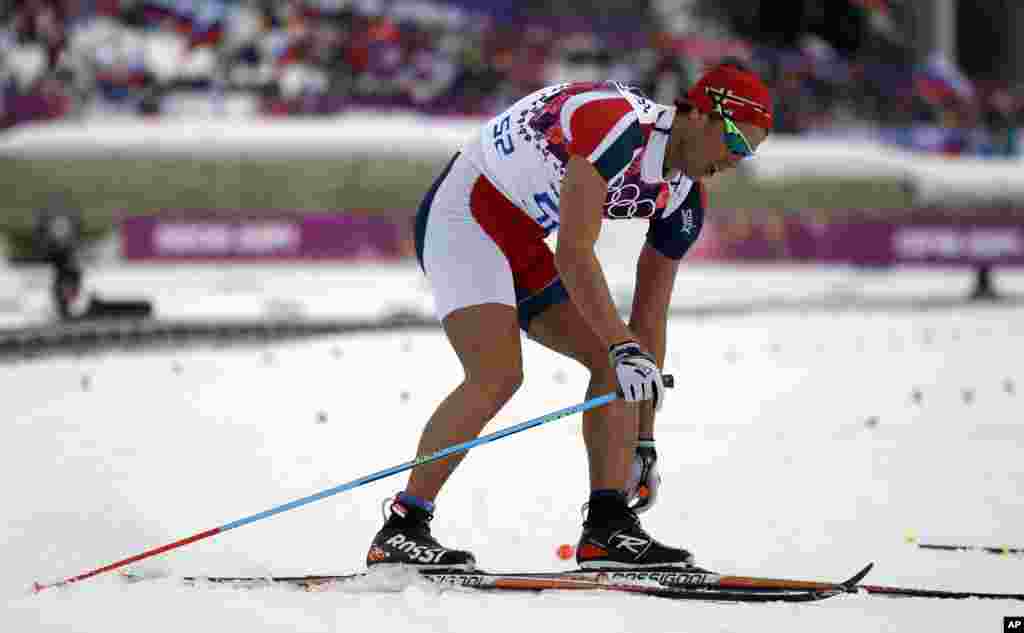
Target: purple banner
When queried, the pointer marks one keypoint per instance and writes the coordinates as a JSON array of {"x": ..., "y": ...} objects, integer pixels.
[
  {"x": 942, "y": 241},
  {"x": 221, "y": 235}
]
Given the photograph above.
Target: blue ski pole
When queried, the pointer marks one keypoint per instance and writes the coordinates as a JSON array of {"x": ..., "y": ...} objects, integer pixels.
[{"x": 593, "y": 403}]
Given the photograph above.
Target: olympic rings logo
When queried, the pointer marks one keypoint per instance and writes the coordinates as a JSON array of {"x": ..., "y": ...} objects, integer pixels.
[{"x": 624, "y": 201}]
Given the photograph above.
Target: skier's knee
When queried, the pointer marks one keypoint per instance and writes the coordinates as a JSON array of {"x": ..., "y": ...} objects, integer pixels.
[{"x": 498, "y": 387}]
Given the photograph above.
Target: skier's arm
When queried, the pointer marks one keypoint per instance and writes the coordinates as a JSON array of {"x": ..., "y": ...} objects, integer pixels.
[
  {"x": 581, "y": 203},
  {"x": 655, "y": 278}
]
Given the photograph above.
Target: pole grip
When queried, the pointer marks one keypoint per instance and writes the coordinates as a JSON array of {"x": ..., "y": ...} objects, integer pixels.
[{"x": 666, "y": 379}]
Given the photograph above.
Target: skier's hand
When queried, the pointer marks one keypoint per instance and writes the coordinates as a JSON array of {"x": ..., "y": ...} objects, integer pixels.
[
  {"x": 637, "y": 372},
  {"x": 644, "y": 480}
]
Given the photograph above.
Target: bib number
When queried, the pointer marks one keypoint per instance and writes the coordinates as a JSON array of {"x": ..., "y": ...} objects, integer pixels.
[
  {"x": 502, "y": 136},
  {"x": 545, "y": 210}
]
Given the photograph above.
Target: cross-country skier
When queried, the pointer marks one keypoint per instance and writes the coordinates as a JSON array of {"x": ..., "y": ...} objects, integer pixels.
[{"x": 567, "y": 157}]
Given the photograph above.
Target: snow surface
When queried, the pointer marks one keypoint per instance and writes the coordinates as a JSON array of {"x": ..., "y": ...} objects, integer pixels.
[{"x": 807, "y": 436}]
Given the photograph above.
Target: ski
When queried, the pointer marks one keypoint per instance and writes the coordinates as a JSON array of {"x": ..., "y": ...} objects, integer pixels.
[
  {"x": 910, "y": 592},
  {"x": 677, "y": 584}
]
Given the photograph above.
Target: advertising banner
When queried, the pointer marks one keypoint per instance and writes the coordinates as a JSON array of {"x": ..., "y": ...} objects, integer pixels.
[
  {"x": 909, "y": 237},
  {"x": 261, "y": 236},
  {"x": 940, "y": 240}
]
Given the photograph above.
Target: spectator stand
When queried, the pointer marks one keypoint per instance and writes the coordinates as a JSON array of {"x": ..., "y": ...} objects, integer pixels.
[{"x": 468, "y": 58}]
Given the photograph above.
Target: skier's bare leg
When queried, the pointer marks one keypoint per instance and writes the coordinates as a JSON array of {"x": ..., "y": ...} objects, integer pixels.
[{"x": 486, "y": 339}]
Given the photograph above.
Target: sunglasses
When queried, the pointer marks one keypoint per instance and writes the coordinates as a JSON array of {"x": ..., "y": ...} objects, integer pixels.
[{"x": 735, "y": 141}]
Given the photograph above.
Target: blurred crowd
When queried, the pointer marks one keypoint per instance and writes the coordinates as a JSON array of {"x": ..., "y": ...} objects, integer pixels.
[
  {"x": 851, "y": 67},
  {"x": 85, "y": 58}
]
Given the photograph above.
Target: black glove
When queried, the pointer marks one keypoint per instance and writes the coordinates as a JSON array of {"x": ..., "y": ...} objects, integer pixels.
[{"x": 642, "y": 489}]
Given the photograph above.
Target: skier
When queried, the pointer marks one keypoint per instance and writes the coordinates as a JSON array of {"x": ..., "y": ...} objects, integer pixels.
[{"x": 566, "y": 157}]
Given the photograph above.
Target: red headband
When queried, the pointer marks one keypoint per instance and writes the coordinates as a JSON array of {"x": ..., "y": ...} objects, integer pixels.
[{"x": 739, "y": 94}]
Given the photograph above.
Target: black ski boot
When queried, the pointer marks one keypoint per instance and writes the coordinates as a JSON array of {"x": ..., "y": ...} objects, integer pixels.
[
  {"x": 405, "y": 540},
  {"x": 614, "y": 539}
]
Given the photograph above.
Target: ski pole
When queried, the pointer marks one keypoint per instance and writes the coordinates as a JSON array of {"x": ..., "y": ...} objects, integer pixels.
[
  {"x": 593, "y": 403},
  {"x": 1002, "y": 551},
  {"x": 960, "y": 547}
]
